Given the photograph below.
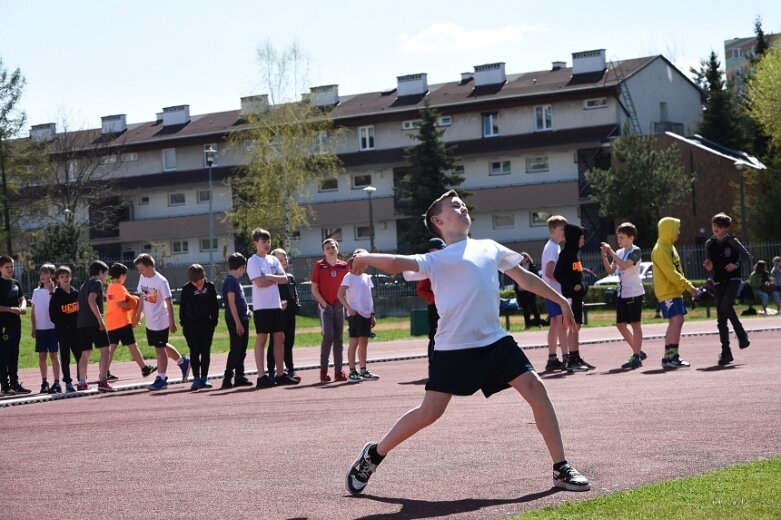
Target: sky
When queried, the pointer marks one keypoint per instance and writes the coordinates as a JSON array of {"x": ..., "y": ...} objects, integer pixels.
[{"x": 84, "y": 59}]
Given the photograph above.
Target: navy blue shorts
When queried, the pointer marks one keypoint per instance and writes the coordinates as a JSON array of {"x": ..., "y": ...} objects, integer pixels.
[
  {"x": 46, "y": 341},
  {"x": 673, "y": 307},
  {"x": 489, "y": 369}
]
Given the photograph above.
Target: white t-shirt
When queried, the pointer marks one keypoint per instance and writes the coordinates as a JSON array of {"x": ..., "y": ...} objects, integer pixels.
[
  {"x": 550, "y": 254},
  {"x": 359, "y": 293},
  {"x": 40, "y": 300},
  {"x": 465, "y": 282},
  {"x": 264, "y": 297},
  {"x": 630, "y": 284},
  {"x": 154, "y": 292}
]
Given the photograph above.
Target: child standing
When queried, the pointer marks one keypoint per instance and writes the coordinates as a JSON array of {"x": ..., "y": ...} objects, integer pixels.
[
  {"x": 120, "y": 309},
  {"x": 569, "y": 273},
  {"x": 669, "y": 284},
  {"x": 92, "y": 328},
  {"x": 199, "y": 313},
  {"x": 155, "y": 303},
  {"x": 550, "y": 255},
  {"x": 43, "y": 330},
  {"x": 629, "y": 305},
  {"x": 472, "y": 352},
  {"x": 327, "y": 274},
  {"x": 724, "y": 257},
  {"x": 355, "y": 294},
  {"x": 776, "y": 273},
  {"x": 63, "y": 311},
  {"x": 237, "y": 322},
  {"x": 12, "y": 305},
  {"x": 290, "y": 307}
]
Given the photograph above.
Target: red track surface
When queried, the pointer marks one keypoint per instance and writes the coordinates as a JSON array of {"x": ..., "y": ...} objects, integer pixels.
[{"x": 283, "y": 452}]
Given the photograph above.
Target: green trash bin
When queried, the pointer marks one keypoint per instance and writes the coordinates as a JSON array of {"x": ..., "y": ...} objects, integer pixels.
[{"x": 418, "y": 322}]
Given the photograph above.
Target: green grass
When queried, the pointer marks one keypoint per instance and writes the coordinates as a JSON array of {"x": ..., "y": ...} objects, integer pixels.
[{"x": 746, "y": 491}]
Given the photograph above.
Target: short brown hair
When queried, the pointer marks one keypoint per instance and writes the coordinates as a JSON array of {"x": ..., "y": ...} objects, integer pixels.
[
  {"x": 5, "y": 259},
  {"x": 556, "y": 221},
  {"x": 49, "y": 268},
  {"x": 146, "y": 259},
  {"x": 260, "y": 234},
  {"x": 63, "y": 269},
  {"x": 628, "y": 229},
  {"x": 196, "y": 272},
  {"x": 721, "y": 220},
  {"x": 236, "y": 260},
  {"x": 331, "y": 240},
  {"x": 434, "y": 210},
  {"x": 116, "y": 270}
]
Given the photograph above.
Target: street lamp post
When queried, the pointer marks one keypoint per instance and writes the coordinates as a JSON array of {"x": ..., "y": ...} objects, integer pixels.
[
  {"x": 743, "y": 224},
  {"x": 210, "y": 153},
  {"x": 370, "y": 191}
]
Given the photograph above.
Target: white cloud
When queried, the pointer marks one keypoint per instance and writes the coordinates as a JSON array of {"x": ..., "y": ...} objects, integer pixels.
[{"x": 449, "y": 37}]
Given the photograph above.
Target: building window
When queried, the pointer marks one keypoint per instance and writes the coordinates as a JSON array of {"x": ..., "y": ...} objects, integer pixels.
[
  {"x": 169, "y": 159},
  {"x": 143, "y": 200},
  {"x": 203, "y": 196},
  {"x": 445, "y": 121},
  {"x": 216, "y": 160},
  {"x": 544, "y": 117},
  {"x": 147, "y": 246},
  {"x": 335, "y": 233},
  {"x": 129, "y": 157},
  {"x": 176, "y": 199},
  {"x": 413, "y": 124},
  {"x": 500, "y": 168},
  {"x": 363, "y": 232},
  {"x": 329, "y": 184},
  {"x": 108, "y": 159},
  {"x": 361, "y": 181},
  {"x": 591, "y": 104},
  {"x": 179, "y": 247},
  {"x": 537, "y": 164},
  {"x": 504, "y": 221},
  {"x": 366, "y": 137},
  {"x": 539, "y": 218},
  {"x": 205, "y": 244},
  {"x": 490, "y": 126},
  {"x": 321, "y": 142}
]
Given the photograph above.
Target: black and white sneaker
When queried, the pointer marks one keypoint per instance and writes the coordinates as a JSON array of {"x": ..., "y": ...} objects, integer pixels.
[
  {"x": 568, "y": 477},
  {"x": 361, "y": 470}
]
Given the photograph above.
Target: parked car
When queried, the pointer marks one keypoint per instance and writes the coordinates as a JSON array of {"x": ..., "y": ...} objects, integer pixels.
[{"x": 646, "y": 275}]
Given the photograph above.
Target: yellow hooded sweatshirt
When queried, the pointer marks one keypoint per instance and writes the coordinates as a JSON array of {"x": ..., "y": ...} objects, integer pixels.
[{"x": 669, "y": 281}]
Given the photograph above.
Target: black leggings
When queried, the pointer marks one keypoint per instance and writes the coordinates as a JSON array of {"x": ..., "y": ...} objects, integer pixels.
[
  {"x": 199, "y": 341},
  {"x": 69, "y": 342}
]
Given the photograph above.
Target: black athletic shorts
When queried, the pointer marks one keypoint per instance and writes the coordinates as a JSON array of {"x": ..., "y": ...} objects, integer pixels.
[
  {"x": 122, "y": 335},
  {"x": 89, "y": 336},
  {"x": 490, "y": 368},
  {"x": 629, "y": 310},
  {"x": 358, "y": 326},
  {"x": 268, "y": 321},
  {"x": 157, "y": 338}
]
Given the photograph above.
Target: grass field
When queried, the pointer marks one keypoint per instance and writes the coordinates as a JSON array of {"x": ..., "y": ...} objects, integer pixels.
[
  {"x": 746, "y": 491},
  {"x": 308, "y": 333}
]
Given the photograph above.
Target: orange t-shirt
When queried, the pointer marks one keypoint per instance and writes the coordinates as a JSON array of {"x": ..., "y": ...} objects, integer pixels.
[{"x": 117, "y": 317}]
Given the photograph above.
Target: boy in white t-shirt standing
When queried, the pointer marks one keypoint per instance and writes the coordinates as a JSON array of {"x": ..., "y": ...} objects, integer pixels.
[
  {"x": 43, "y": 330},
  {"x": 355, "y": 294},
  {"x": 155, "y": 303},
  {"x": 471, "y": 350},
  {"x": 556, "y": 331},
  {"x": 265, "y": 272}
]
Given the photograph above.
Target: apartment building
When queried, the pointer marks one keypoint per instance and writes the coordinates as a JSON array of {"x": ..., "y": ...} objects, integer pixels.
[{"x": 523, "y": 143}]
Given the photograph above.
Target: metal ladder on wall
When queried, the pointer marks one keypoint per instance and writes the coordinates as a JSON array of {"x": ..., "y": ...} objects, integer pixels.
[{"x": 625, "y": 97}]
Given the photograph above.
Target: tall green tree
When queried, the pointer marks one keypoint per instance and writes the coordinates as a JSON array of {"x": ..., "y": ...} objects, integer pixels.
[
  {"x": 720, "y": 116},
  {"x": 756, "y": 142},
  {"x": 61, "y": 242},
  {"x": 286, "y": 146},
  {"x": 764, "y": 93},
  {"x": 644, "y": 180},
  {"x": 429, "y": 173}
]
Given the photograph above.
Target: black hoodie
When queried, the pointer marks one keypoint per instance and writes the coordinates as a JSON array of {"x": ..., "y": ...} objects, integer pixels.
[{"x": 569, "y": 271}]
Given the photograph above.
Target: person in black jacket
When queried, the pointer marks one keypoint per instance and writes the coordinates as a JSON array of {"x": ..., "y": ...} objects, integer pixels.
[
  {"x": 569, "y": 273},
  {"x": 724, "y": 257},
  {"x": 63, "y": 311},
  {"x": 527, "y": 301},
  {"x": 198, "y": 314},
  {"x": 290, "y": 307}
]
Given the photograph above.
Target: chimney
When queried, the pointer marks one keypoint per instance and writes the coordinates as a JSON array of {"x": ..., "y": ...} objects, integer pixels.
[
  {"x": 466, "y": 76},
  {"x": 115, "y": 124},
  {"x": 177, "y": 115},
  {"x": 44, "y": 132},
  {"x": 558, "y": 65},
  {"x": 412, "y": 84},
  {"x": 325, "y": 95},
  {"x": 489, "y": 74},
  {"x": 588, "y": 61},
  {"x": 254, "y": 104}
]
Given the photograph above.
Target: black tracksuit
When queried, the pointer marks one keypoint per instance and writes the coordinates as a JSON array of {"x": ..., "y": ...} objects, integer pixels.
[
  {"x": 63, "y": 311},
  {"x": 569, "y": 271},
  {"x": 199, "y": 313},
  {"x": 721, "y": 253}
]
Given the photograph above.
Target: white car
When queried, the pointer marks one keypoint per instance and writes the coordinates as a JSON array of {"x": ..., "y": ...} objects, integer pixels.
[{"x": 646, "y": 275}]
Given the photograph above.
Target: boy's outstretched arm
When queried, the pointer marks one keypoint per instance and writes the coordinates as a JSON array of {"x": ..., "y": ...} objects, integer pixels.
[
  {"x": 529, "y": 282},
  {"x": 389, "y": 263}
]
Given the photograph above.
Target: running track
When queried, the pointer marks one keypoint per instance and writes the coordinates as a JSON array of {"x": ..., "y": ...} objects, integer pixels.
[{"x": 283, "y": 452}]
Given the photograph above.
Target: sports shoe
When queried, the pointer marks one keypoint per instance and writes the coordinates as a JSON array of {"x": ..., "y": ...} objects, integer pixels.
[
  {"x": 354, "y": 377},
  {"x": 185, "y": 366},
  {"x": 7, "y": 390},
  {"x": 643, "y": 356},
  {"x": 585, "y": 363},
  {"x": 573, "y": 364},
  {"x": 44, "y": 387},
  {"x": 110, "y": 376},
  {"x": 324, "y": 377},
  {"x": 19, "y": 389},
  {"x": 104, "y": 386},
  {"x": 554, "y": 364},
  {"x": 226, "y": 384},
  {"x": 159, "y": 384},
  {"x": 264, "y": 382},
  {"x": 294, "y": 375},
  {"x": 365, "y": 374},
  {"x": 569, "y": 478},
  {"x": 197, "y": 385},
  {"x": 744, "y": 343},
  {"x": 82, "y": 387},
  {"x": 148, "y": 370},
  {"x": 69, "y": 388},
  {"x": 242, "y": 381},
  {"x": 340, "y": 376},
  {"x": 205, "y": 382},
  {"x": 674, "y": 362},
  {"x": 725, "y": 358},
  {"x": 632, "y": 363},
  {"x": 55, "y": 388},
  {"x": 285, "y": 379},
  {"x": 361, "y": 471}
]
